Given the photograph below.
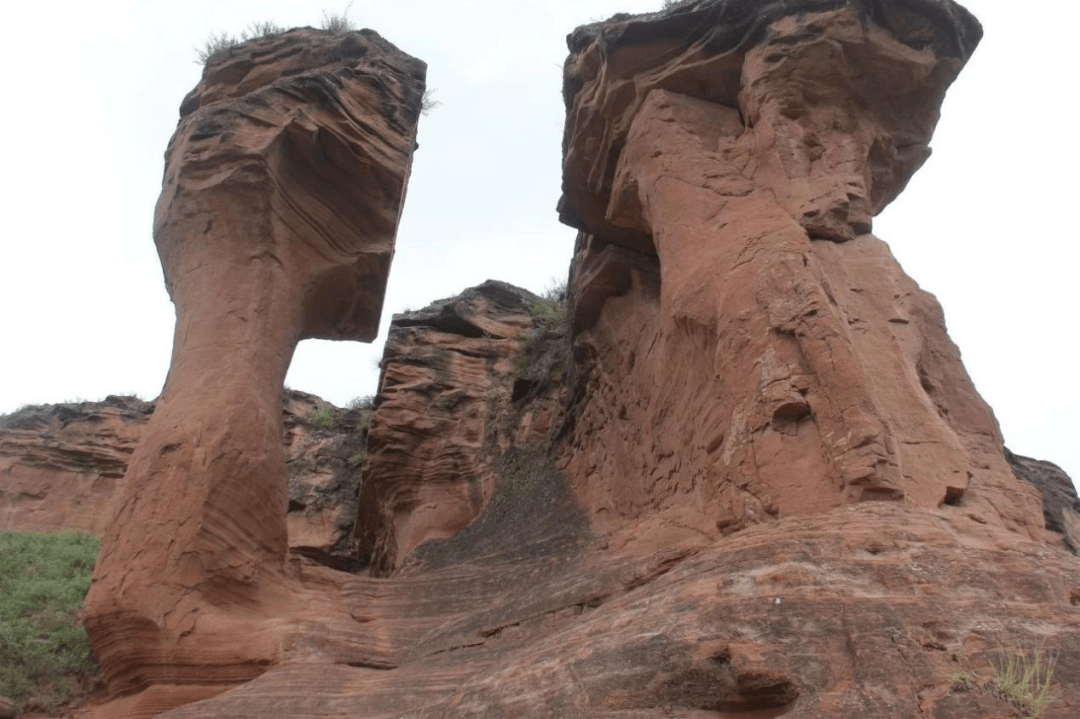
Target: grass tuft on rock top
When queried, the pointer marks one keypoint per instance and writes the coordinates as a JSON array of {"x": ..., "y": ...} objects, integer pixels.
[
  {"x": 338, "y": 23},
  {"x": 218, "y": 44},
  {"x": 45, "y": 657}
]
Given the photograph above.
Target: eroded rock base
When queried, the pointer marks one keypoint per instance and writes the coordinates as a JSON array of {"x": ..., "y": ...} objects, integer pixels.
[{"x": 862, "y": 611}]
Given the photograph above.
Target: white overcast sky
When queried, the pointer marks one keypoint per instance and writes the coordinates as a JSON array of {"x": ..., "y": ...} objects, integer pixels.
[{"x": 92, "y": 91}]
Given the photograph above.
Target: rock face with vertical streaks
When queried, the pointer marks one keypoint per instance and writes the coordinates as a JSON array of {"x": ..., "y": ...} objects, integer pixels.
[
  {"x": 723, "y": 161},
  {"x": 283, "y": 187},
  {"x": 448, "y": 377}
]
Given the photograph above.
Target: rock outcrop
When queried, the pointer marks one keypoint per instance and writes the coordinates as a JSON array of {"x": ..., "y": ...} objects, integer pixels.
[
  {"x": 444, "y": 420},
  {"x": 283, "y": 187},
  {"x": 664, "y": 514},
  {"x": 1061, "y": 506},
  {"x": 62, "y": 466},
  {"x": 829, "y": 615},
  {"x": 750, "y": 351}
]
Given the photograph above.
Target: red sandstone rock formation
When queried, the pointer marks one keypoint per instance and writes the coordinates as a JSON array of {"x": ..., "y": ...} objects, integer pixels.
[
  {"x": 700, "y": 407},
  {"x": 283, "y": 187},
  {"x": 753, "y": 352},
  {"x": 446, "y": 390},
  {"x": 833, "y": 615},
  {"x": 62, "y": 466}
]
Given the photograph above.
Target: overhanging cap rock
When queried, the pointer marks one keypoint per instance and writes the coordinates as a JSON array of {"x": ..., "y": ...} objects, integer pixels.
[{"x": 697, "y": 48}]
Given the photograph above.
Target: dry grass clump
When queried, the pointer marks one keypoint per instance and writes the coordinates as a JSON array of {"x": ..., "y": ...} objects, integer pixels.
[
  {"x": 338, "y": 23},
  {"x": 218, "y": 44}
]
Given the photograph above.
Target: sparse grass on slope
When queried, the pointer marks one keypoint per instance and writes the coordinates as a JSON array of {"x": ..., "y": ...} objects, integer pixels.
[{"x": 45, "y": 657}]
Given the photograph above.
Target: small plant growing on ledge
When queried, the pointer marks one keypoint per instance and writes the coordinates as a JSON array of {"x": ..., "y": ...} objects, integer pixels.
[
  {"x": 357, "y": 459},
  {"x": 323, "y": 418},
  {"x": 1020, "y": 678},
  {"x": 960, "y": 682},
  {"x": 550, "y": 319},
  {"x": 1023, "y": 679},
  {"x": 551, "y": 309},
  {"x": 366, "y": 402},
  {"x": 428, "y": 101}
]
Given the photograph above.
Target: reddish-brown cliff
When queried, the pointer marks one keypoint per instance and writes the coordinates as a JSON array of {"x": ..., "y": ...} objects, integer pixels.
[
  {"x": 62, "y": 466},
  {"x": 436, "y": 443}
]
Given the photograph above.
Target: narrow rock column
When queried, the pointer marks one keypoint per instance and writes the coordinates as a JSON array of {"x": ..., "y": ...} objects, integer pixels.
[{"x": 283, "y": 187}]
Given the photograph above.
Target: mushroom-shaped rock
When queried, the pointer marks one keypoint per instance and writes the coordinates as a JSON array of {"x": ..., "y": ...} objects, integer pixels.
[
  {"x": 283, "y": 187},
  {"x": 723, "y": 160}
]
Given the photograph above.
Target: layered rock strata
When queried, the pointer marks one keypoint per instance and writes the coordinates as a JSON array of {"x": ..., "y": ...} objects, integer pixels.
[
  {"x": 617, "y": 568},
  {"x": 869, "y": 610},
  {"x": 723, "y": 161},
  {"x": 1061, "y": 506},
  {"x": 62, "y": 466},
  {"x": 283, "y": 187},
  {"x": 445, "y": 418}
]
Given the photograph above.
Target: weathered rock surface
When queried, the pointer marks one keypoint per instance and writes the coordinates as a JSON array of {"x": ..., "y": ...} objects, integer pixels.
[
  {"x": 62, "y": 466},
  {"x": 436, "y": 443},
  {"x": 1061, "y": 506},
  {"x": 866, "y": 610},
  {"x": 324, "y": 450},
  {"x": 683, "y": 530},
  {"x": 748, "y": 350},
  {"x": 283, "y": 187}
]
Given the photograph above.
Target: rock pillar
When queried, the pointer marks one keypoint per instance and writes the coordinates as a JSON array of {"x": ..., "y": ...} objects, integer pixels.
[
  {"x": 758, "y": 350},
  {"x": 283, "y": 187}
]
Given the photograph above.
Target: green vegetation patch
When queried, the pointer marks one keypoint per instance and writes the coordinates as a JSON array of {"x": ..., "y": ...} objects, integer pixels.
[
  {"x": 550, "y": 320},
  {"x": 45, "y": 657},
  {"x": 323, "y": 418}
]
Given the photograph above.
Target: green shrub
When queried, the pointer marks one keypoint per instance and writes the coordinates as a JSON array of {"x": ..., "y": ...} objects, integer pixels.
[
  {"x": 960, "y": 682},
  {"x": 45, "y": 657},
  {"x": 357, "y": 459},
  {"x": 550, "y": 318},
  {"x": 323, "y": 418},
  {"x": 1019, "y": 677},
  {"x": 551, "y": 310}
]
